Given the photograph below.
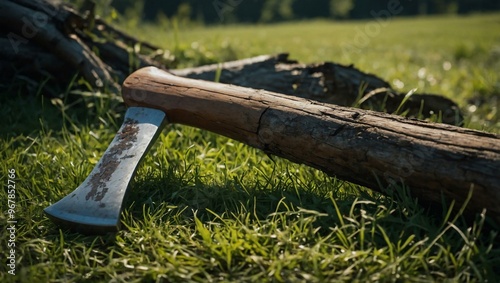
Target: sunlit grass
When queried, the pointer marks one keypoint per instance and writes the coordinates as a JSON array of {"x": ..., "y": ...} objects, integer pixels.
[{"x": 206, "y": 208}]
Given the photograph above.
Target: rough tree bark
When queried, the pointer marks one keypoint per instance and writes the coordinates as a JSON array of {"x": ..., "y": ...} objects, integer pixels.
[{"x": 47, "y": 39}]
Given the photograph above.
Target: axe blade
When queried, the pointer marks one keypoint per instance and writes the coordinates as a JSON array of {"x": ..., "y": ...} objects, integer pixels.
[{"x": 95, "y": 206}]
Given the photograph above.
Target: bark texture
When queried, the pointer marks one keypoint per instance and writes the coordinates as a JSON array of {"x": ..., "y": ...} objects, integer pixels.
[
  {"x": 364, "y": 147},
  {"x": 58, "y": 42}
]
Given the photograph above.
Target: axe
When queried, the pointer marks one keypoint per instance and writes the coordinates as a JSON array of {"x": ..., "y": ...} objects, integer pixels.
[{"x": 364, "y": 147}]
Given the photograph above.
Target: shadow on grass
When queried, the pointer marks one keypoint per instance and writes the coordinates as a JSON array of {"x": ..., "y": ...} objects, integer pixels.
[
  {"x": 25, "y": 114},
  {"x": 337, "y": 203}
]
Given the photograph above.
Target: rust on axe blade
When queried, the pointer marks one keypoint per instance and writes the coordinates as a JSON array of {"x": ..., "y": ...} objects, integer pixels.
[{"x": 95, "y": 206}]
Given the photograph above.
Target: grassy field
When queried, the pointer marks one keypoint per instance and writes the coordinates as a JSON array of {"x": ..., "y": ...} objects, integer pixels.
[{"x": 204, "y": 208}]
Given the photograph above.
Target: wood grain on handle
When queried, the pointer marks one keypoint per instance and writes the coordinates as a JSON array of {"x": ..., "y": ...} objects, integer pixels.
[{"x": 356, "y": 145}]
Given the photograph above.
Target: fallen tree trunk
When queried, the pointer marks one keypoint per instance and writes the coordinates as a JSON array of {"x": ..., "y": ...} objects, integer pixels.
[
  {"x": 63, "y": 37},
  {"x": 325, "y": 82},
  {"x": 364, "y": 147}
]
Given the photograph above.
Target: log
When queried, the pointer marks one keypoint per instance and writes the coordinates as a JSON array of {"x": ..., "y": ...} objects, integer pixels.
[
  {"x": 325, "y": 82},
  {"x": 364, "y": 147},
  {"x": 37, "y": 21},
  {"x": 54, "y": 32}
]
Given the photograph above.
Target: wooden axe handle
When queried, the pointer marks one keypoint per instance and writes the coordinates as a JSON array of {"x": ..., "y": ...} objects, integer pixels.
[{"x": 364, "y": 147}]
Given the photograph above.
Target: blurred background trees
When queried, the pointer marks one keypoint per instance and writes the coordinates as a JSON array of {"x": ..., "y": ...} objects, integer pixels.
[{"x": 265, "y": 11}]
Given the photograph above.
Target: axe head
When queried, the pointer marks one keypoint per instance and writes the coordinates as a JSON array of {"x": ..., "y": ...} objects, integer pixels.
[{"x": 95, "y": 206}]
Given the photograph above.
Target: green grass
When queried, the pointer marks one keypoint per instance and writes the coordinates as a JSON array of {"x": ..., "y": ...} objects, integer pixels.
[{"x": 206, "y": 208}]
